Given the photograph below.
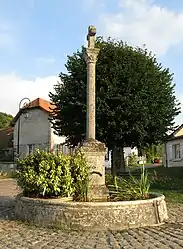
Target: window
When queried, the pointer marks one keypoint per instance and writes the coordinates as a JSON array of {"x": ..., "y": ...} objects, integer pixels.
[
  {"x": 176, "y": 151},
  {"x": 30, "y": 149}
]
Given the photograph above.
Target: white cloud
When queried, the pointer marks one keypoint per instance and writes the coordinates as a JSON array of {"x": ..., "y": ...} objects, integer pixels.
[
  {"x": 13, "y": 89},
  {"x": 143, "y": 22}
]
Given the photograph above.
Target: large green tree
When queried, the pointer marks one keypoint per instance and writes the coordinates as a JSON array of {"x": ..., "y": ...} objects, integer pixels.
[
  {"x": 135, "y": 99},
  {"x": 5, "y": 120}
]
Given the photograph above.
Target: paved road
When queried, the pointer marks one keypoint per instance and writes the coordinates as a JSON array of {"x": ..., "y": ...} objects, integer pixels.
[{"x": 16, "y": 235}]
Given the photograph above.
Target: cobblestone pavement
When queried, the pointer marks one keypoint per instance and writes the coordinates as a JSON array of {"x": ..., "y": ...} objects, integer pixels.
[{"x": 16, "y": 235}]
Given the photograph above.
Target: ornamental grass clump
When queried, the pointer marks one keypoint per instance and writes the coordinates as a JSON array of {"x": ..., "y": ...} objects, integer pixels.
[{"x": 131, "y": 188}]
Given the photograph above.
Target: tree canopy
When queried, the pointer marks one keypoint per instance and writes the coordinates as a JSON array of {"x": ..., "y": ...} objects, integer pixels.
[
  {"x": 5, "y": 120},
  {"x": 135, "y": 98}
]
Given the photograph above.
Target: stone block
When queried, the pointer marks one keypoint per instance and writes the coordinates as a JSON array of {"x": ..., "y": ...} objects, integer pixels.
[{"x": 94, "y": 152}]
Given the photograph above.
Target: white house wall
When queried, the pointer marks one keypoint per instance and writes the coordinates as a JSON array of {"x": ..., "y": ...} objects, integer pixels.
[
  {"x": 34, "y": 130},
  {"x": 129, "y": 151},
  {"x": 170, "y": 161},
  {"x": 57, "y": 139}
]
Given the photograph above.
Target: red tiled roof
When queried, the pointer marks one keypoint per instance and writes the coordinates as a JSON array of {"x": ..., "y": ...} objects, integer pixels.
[
  {"x": 42, "y": 103},
  {"x": 37, "y": 103}
]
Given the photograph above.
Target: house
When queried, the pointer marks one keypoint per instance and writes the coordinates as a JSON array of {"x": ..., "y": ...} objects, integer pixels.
[
  {"x": 32, "y": 129},
  {"x": 173, "y": 149}
]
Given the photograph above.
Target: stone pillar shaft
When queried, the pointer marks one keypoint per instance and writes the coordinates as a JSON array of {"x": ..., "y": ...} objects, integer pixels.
[{"x": 90, "y": 121}]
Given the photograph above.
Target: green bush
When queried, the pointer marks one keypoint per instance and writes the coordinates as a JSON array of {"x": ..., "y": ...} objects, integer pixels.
[
  {"x": 80, "y": 177},
  {"x": 132, "y": 159},
  {"x": 45, "y": 175}
]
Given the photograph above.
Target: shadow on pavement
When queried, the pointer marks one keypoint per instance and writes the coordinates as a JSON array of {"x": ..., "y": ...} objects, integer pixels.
[
  {"x": 8, "y": 191},
  {"x": 7, "y": 205},
  {"x": 7, "y": 202}
]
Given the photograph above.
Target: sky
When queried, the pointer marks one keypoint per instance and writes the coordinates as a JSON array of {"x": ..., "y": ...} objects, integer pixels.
[{"x": 37, "y": 35}]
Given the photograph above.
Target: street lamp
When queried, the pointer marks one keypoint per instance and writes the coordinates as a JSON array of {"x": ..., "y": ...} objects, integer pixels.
[{"x": 26, "y": 103}]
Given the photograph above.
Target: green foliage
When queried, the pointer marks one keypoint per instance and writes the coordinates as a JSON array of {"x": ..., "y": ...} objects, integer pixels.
[
  {"x": 153, "y": 151},
  {"x": 132, "y": 160},
  {"x": 167, "y": 181},
  {"x": 135, "y": 99},
  {"x": 109, "y": 179},
  {"x": 80, "y": 176},
  {"x": 45, "y": 175},
  {"x": 11, "y": 174},
  {"x": 167, "y": 178},
  {"x": 143, "y": 183},
  {"x": 5, "y": 120},
  {"x": 132, "y": 188}
]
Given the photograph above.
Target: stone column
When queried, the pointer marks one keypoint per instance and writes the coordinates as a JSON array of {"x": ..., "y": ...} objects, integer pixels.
[
  {"x": 91, "y": 59},
  {"x": 93, "y": 150}
]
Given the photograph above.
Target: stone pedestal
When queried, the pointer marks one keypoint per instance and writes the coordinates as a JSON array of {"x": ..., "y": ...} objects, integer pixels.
[{"x": 94, "y": 152}]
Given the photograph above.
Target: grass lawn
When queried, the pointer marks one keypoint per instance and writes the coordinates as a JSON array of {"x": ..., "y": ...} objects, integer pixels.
[{"x": 168, "y": 181}]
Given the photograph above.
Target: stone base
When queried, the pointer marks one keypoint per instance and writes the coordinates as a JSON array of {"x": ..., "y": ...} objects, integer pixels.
[
  {"x": 92, "y": 216},
  {"x": 98, "y": 193},
  {"x": 94, "y": 152}
]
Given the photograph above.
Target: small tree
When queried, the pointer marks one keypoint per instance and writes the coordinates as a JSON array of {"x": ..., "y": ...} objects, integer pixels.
[{"x": 135, "y": 99}]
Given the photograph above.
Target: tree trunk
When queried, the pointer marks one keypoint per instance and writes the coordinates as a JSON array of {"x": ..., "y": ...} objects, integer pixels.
[{"x": 118, "y": 161}]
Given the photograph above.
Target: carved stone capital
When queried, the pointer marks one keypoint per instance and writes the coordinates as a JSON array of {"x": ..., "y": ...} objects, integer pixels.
[{"x": 91, "y": 55}]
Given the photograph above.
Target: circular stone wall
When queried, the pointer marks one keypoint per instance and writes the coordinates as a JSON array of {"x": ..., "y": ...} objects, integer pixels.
[{"x": 93, "y": 216}]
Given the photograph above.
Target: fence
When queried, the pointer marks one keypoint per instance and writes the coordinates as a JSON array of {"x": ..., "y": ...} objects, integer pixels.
[{"x": 10, "y": 154}]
